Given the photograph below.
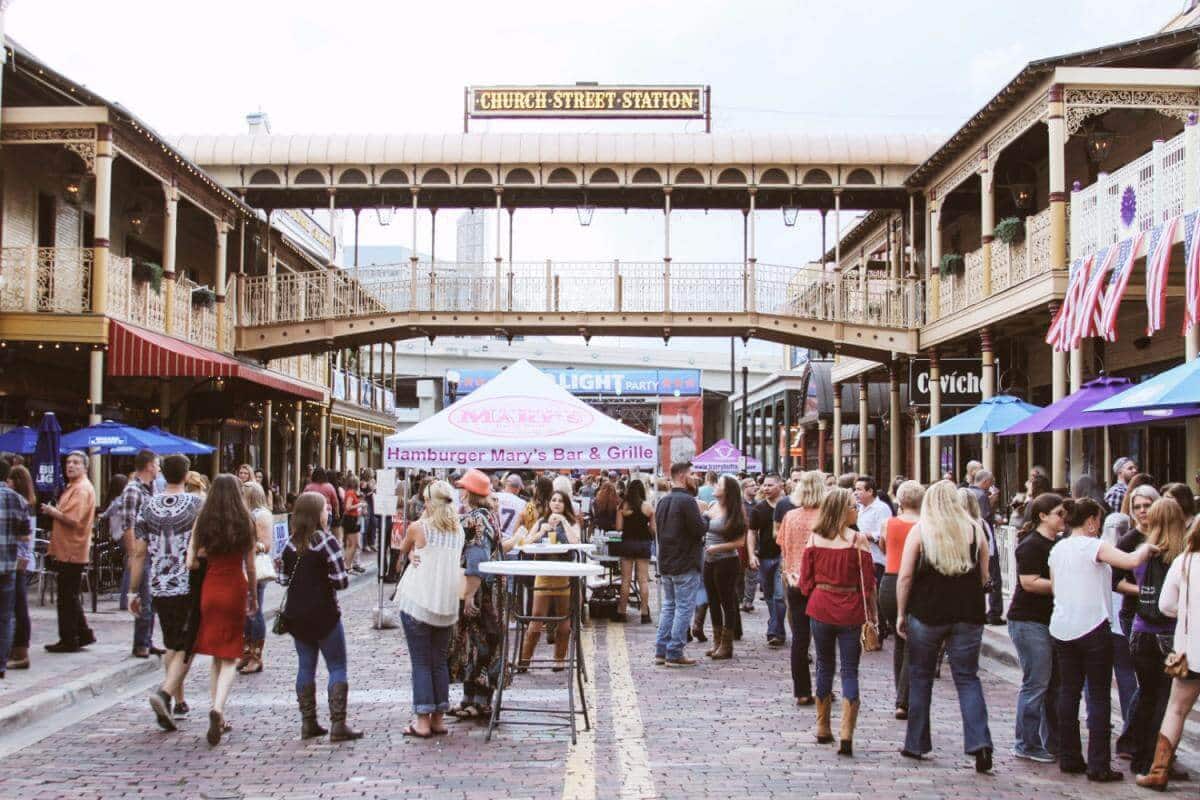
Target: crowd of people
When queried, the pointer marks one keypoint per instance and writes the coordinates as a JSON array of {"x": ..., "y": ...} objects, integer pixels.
[{"x": 1101, "y": 588}]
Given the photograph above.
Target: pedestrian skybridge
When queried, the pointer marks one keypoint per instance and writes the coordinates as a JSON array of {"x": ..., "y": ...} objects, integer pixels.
[{"x": 286, "y": 314}]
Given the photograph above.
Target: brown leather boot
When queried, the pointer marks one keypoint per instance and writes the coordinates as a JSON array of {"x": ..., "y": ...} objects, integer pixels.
[
  {"x": 824, "y": 710},
  {"x": 1157, "y": 778},
  {"x": 849, "y": 720},
  {"x": 716, "y": 642},
  {"x": 725, "y": 648},
  {"x": 697, "y": 629}
]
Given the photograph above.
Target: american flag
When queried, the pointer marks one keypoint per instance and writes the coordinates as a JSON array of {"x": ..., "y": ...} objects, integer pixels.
[
  {"x": 1157, "y": 263},
  {"x": 1087, "y": 313},
  {"x": 1111, "y": 302},
  {"x": 1063, "y": 324},
  {"x": 1191, "y": 260}
]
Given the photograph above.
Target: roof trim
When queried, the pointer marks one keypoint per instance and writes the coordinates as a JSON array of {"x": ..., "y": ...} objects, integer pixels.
[{"x": 1020, "y": 86}]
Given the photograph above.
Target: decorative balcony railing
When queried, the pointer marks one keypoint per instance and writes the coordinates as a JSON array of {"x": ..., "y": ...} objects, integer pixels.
[
  {"x": 309, "y": 368},
  {"x": 48, "y": 279},
  {"x": 612, "y": 286},
  {"x": 1012, "y": 264},
  {"x": 1137, "y": 197}
]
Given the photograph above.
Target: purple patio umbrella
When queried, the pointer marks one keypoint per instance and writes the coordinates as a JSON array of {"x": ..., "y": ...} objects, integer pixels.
[{"x": 1071, "y": 412}]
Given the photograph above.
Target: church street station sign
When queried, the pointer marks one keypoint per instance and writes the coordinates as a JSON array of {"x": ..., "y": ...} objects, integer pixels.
[{"x": 588, "y": 100}]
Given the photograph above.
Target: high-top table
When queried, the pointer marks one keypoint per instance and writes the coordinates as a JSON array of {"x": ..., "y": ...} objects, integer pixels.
[{"x": 576, "y": 572}]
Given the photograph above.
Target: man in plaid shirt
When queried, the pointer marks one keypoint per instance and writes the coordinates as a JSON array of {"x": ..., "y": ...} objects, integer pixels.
[
  {"x": 14, "y": 526},
  {"x": 139, "y": 489}
]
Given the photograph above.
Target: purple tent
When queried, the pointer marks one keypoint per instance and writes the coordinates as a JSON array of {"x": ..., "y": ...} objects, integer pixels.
[
  {"x": 1071, "y": 412},
  {"x": 724, "y": 457}
]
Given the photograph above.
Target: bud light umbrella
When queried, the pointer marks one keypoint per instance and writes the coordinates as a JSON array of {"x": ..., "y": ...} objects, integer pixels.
[
  {"x": 22, "y": 439},
  {"x": 114, "y": 438},
  {"x": 184, "y": 445},
  {"x": 47, "y": 465},
  {"x": 1072, "y": 412},
  {"x": 1176, "y": 387},
  {"x": 991, "y": 416}
]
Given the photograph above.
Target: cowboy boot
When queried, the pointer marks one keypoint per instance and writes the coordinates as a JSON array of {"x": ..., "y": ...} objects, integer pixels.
[
  {"x": 306, "y": 698},
  {"x": 716, "y": 642},
  {"x": 244, "y": 657},
  {"x": 724, "y": 650},
  {"x": 824, "y": 710},
  {"x": 697, "y": 629},
  {"x": 1158, "y": 777},
  {"x": 849, "y": 719},
  {"x": 339, "y": 731}
]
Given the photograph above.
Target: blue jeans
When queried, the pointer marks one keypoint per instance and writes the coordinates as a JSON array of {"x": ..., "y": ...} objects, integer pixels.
[
  {"x": 332, "y": 648},
  {"x": 963, "y": 641},
  {"x": 1037, "y": 699},
  {"x": 845, "y": 639},
  {"x": 1088, "y": 658},
  {"x": 143, "y": 624},
  {"x": 751, "y": 587},
  {"x": 771, "y": 577},
  {"x": 8, "y": 587},
  {"x": 678, "y": 603},
  {"x": 427, "y": 649},
  {"x": 255, "y": 629},
  {"x": 1129, "y": 689}
]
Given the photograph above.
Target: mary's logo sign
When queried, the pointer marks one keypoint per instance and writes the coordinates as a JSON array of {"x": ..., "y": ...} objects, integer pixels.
[{"x": 519, "y": 417}]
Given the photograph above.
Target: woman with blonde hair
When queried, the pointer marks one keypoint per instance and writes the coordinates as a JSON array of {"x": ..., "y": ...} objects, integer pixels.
[
  {"x": 551, "y": 596},
  {"x": 314, "y": 572},
  {"x": 909, "y": 495},
  {"x": 940, "y": 601},
  {"x": 792, "y": 537},
  {"x": 838, "y": 578},
  {"x": 256, "y": 625},
  {"x": 428, "y": 598},
  {"x": 195, "y": 483},
  {"x": 1165, "y": 525}
]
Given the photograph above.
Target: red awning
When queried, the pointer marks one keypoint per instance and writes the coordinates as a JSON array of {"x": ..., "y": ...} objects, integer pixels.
[{"x": 137, "y": 352}]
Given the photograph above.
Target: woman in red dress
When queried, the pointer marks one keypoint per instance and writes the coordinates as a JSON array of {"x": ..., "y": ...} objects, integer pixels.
[{"x": 225, "y": 536}]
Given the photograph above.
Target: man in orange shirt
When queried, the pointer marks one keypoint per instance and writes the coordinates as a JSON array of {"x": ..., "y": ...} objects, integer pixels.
[{"x": 70, "y": 547}]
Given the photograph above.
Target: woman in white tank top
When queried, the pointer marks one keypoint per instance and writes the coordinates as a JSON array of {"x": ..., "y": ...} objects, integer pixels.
[{"x": 428, "y": 599}]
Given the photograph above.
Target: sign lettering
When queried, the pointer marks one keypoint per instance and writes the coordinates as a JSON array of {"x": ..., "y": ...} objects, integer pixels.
[
  {"x": 960, "y": 380},
  {"x": 678, "y": 102}
]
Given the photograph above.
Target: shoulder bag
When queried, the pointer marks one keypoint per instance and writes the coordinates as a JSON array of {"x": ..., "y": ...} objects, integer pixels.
[
  {"x": 1176, "y": 664},
  {"x": 869, "y": 636},
  {"x": 280, "y": 626}
]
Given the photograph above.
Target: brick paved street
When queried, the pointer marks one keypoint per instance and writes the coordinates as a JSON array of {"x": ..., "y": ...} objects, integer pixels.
[{"x": 720, "y": 730}]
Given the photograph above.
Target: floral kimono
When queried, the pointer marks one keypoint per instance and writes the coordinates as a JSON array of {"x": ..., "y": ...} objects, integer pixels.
[{"x": 476, "y": 643}]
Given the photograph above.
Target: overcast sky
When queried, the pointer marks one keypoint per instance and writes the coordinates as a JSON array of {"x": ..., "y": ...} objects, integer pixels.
[{"x": 356, "y": 66}]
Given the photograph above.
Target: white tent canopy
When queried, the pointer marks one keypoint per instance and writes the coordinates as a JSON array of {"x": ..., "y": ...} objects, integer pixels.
[{"x": 521, "y": 419}]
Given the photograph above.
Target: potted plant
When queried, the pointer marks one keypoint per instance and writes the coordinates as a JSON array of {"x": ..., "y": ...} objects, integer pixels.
[
  {"x": 203, "y": 297},
  {"x": 1010, "y": 230},
  {"x": 951, "y": 264},
  {"x": 148, "y": 272}
]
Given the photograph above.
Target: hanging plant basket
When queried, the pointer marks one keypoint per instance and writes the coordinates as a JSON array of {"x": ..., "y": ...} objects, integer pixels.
[
  {"x": 1010, "y": 230},
  {"x": 204, "y": 297},
  {"x": 148, "y": 272},
  {"x": 951, "y": 264}
]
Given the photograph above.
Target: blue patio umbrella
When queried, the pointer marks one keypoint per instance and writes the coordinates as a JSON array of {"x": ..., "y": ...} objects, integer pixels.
[
  {"x": 991, "y": 416},
  {"x": 114, "y": 438},
  {"x": 22, "y": 439},
  {"x": 47, "y": 465},
  {"x": 1179, "y": 386},
  {"x": 184, "y": 445}
]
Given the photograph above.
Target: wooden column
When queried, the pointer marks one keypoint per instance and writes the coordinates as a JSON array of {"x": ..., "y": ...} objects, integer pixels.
[
  {"x": 864, "y": 421},
  {"x": 987, "y": 359},
  {"x": 170, "y": 229},
  {"x": 895, "y": 424},
  {"x": 837, "y": 429},
  {"x": 935, "y": 416}
]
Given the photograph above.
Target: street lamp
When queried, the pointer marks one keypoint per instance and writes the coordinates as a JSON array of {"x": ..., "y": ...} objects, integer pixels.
[
  {"x": 1100, "y": 141},
  {"x": 790, "y": 212},
  {"x": 585, "y": 212}
]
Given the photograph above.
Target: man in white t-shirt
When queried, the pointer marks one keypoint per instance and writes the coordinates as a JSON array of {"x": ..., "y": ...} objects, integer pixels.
[
  {"x": 511, "y": 505},
  {"x": 873, "y": 515}
]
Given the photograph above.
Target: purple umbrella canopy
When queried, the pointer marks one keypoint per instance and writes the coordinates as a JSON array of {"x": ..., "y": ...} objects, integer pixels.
[
  {"x": 1071, "y": 412},
  {"x": 724, "y": 457}
]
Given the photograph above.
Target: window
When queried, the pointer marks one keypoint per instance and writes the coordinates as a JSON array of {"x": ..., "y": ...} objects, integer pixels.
[
  {"x": 689, "y": 175},
  {"x": 264, "y": 177},
  {"x": 353, "y": 176},
  {"x": 731, "y": 176},
  {"x": 861, "y": 176},
  {"x": 435, "y": 175},
  {"x": 309, "y": 176},
  {"x": 519, "y": 175},
  {"x": 647, "y": 175},
  {"x": 477, "y": 175},
  {"x": 774, "y": 175},
  {"x": 562, "y": 175},
  {"x": 604, "y": 175},
  {"x": 394, "y": 176},
  {"x": 818, "y": 176}
]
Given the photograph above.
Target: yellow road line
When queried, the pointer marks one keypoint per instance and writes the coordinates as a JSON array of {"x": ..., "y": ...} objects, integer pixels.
[
  {"x": 629, "y": 736},
  {"x": 579, "y": 778}
]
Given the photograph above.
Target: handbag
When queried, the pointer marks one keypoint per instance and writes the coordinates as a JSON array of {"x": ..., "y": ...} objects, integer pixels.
[
  {"x": 1176, "y": 664},
  {"x": 279, "y": 626},
  {"x": 869, "y": 635},
  {"x": 264, "y": 567}
]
